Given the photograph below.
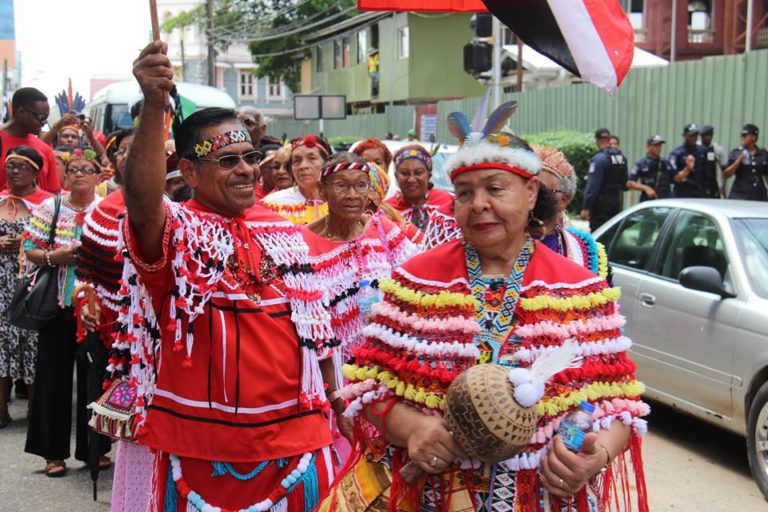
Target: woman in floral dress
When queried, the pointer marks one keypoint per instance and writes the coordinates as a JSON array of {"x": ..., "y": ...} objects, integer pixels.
[{"x": 18, "y": 348}]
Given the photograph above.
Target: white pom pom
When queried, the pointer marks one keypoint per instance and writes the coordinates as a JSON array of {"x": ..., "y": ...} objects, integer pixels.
[
  {"x": 528, "y": 394},
  {"x": 519, "y": 376}
]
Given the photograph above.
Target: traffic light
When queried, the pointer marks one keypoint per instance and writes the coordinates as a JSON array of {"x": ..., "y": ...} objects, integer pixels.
[
  {"x": 481, "y": 24},
  {"x": 478, "y": 53},
  {"x": 478, "y": 57}
]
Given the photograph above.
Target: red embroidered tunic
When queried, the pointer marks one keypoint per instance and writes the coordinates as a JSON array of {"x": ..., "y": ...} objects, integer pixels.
[{"x": 236, "y": 397}]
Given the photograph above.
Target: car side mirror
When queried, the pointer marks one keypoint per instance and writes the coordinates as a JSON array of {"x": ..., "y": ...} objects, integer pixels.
[{"x": 703, "y": 279}]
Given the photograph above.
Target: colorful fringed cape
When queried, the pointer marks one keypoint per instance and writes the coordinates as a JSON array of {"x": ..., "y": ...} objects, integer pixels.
[{"x": 421, "y": 337}]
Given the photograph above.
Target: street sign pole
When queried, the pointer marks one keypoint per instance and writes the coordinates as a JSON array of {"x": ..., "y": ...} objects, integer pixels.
[{"x": 496, "y": 70}]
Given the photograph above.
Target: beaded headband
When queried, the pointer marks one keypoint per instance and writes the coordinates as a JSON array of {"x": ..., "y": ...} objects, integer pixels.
[
  {"x": 23, "y": 159},
  {"x": 358, "y": 166},
  {"x": 416, "y": 154},
  {"x": 220, "y": 141},
  {"x": 310, "y": 141}
]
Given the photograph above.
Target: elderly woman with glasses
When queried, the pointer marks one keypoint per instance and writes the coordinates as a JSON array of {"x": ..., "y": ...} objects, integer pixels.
[
  {"x": 302, "y": 203},
  {"x": 497, "y": 296},
  {"x": 18, "y": 348},
  {"x": 351, "y": 251},
  {"x": 50, "y": 424},
  {"x": 560, "y": 179}
]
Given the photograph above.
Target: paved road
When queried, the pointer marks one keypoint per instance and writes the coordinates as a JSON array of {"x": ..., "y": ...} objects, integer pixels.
[{"x": 690, "y": 467}]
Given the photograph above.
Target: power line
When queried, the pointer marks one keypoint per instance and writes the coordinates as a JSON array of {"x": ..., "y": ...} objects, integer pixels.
[
  {"x": 317, "y": 43},
  {"x": 280, "y": 34},
  {"x": 237, "y": 33},
  {"x": 246, "y": 21}
]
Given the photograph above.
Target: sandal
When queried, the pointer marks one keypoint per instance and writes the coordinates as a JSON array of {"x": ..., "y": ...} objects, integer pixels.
[
  {"x": 55, "y": 468},
  {"x": 105, "y": 462}
]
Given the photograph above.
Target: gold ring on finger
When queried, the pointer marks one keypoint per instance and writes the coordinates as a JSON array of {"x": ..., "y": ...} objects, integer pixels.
[
  {"x": 434, "y": 461},
  {"x": 561, "y": 483}
]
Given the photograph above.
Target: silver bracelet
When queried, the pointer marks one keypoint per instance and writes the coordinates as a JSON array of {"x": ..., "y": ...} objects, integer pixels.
[{"x": 607, "y": 459}]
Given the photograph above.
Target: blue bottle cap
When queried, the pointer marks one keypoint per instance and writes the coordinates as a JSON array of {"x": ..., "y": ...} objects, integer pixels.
[{"x": 586, "y": 406}]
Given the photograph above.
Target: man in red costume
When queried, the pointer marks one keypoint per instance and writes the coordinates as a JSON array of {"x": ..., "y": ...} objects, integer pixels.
[{"x": 225, "y": 321}]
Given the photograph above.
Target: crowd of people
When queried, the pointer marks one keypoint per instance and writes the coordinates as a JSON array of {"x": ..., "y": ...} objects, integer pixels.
[
  {"x": 275, "y": 332},
  {"x": 697, "y": 168}
]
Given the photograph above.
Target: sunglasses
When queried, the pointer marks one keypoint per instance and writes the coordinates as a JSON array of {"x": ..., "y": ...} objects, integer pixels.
[
  {"x": 39, "y": 117},
  {"x": 231, "y": 161}
]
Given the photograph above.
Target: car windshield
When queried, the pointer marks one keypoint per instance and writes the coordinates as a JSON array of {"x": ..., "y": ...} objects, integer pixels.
[{"x": 752, "y": 237}]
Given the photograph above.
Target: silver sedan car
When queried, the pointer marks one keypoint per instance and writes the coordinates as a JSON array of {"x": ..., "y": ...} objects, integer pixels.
[{"x": 694, "y": 280}]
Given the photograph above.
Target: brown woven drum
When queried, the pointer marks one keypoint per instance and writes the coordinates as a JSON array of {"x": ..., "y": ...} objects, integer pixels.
[{"x": 484, "y": 416}]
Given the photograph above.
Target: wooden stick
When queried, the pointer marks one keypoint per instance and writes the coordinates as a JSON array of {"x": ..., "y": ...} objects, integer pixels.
[{"x": 155, "y": 21}]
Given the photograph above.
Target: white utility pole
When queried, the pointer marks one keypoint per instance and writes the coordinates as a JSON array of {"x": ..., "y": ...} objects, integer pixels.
[
  {"x": 750, "y": 8},
  {"x": 496, "y": 69},
  {"x": 673, "y": 39}
]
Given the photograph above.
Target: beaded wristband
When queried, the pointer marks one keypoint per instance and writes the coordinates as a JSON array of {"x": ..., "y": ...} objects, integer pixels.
[{"x": 47, "y": 257}]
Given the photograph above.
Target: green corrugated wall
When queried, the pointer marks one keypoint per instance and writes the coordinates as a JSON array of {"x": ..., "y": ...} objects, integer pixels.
[{"x": 725, "y": 91}]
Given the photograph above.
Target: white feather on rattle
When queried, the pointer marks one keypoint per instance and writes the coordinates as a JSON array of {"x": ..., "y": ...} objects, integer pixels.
[{"x": 529, "y": 382}]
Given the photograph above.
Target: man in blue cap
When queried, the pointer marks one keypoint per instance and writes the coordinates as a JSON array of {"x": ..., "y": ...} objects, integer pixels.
[
  {"x": 652, "y": 175},
  {"x": 606, "y": 182},
  {"x": 688, "y": 160}
]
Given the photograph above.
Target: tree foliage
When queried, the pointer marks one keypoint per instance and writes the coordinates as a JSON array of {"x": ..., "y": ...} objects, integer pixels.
[{"x": 276, "y": 31}]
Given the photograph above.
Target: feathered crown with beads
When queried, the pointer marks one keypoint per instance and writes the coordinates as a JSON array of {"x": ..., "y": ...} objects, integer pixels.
[{"x": 492, "y": 148}]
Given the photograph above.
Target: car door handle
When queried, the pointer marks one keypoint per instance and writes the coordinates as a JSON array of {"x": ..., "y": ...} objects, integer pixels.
[{"x": 647, "y": 300}]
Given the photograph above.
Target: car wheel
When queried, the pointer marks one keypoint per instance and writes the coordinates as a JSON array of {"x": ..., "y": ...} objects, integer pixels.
[{"x": 757, "y": 439}]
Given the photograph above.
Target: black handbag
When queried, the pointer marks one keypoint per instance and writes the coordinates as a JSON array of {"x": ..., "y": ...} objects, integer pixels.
[{"x": 36, "y": 297}]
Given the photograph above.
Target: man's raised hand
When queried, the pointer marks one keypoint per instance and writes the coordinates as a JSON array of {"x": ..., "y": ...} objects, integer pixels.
[{"x": 154, "y": 72}]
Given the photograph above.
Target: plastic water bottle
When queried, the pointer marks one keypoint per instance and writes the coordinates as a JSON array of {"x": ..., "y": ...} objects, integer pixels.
[
  {"x": 575, "y": 426},
  {"x": 367, "y": 297}
]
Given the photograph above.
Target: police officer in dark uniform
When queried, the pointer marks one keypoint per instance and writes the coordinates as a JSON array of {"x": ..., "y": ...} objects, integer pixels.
[
  {"x": 749, "y": 164},
  {"x": 652, "y": 175},
  {"x": 688, "y": 161},
  {"x": 714, "y": 158},
  {"x": 606, "y": 182}
]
